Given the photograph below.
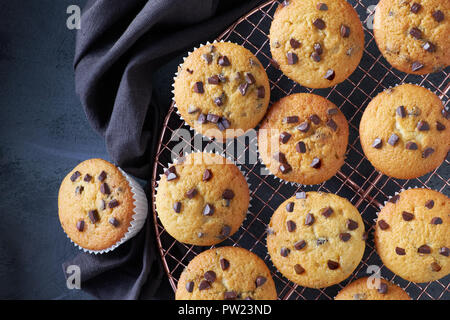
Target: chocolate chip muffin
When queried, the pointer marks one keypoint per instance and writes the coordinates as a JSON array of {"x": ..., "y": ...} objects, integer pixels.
[
  {"x": 412, "y": 235},
  {"x": 227, "y": 273},
  {"x": 413, "y": 34},
  {"x": 317, "y": 43},
  {"x": 202, "y": 199},
  {"x": 303, "y": 139},
  {"x": 405, "y": 131},
  {"x": 365, "y": 289},
  {"x": 221, "y": 90},
  {"x": 316, "y": 239},
  {"x": 100, "y": 206}
]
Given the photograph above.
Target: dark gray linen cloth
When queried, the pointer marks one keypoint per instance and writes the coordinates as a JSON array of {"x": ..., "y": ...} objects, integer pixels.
[{"x": 120, "y": 45}]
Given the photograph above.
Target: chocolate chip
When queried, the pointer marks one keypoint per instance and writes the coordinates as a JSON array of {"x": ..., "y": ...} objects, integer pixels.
[
  {"x": 208, "y": 210},
  {"x": 436, "y": 220},
  {"x": 383, "y": 288},
  {"x": 280, "y": 157},
  {"x": 435, "y": 267},
  {"x": 315, "y": 57},
  {"x": 79, "y": 190},
  {"x": 177, "y": 207},
  {"x": 190, "y": 71},
  {"x": 223, "y": 61},
  {"x": 207, "y": 57},
  {"x": 93, "y": 216},
  {"x": 332, "y": 111},
  {"x": 400, "y": 251},
  {"x": 377, "y": 143},
  {"x": 314, "y": 119},
  {"x": 222, "y": 78},
  {"x": 309, "y": 220},
  {"x": 207, "y": 175},
  {"x": 439, "y": 126},
  {"x": 319, "y": 24},
  {"x": 213, "y": 118},
  {"x": 327, "y": 212},
  {"x": 249, "y": 78},
  {"x": 383, "y": 224},
  {"x": 225, "y": 232},
  {"x": 300, "y": 195},
  {"x": 200, "y": 234},
  {"x": 284, "y": 252},
  {"x": 345, "y": 236},
  {"x": 198, "y": 87},
  {"x": 345, "y": 31},
  {"x": 423, "y": 126},
  {"x": 401, "y": 111},
  {"x": 102, "y": 176},
  {"x": 291, "y": 119},
  {"x": 415, "y": 33},
  {"x": 228, "y": 194},
  {"x": 322, "y": 6},
  {"x": 204, "y": 285},
  {"x": 407, "y": 216},
  {"x": 292, "y": 58},
  {"x": 80, "y": 225},
  {"x": 284, "y": 137},
  {"x": 230, "y": 295},
  {"x": 411, "y": 145},
  {"x": 190, "y": 286},
  {"x": 75, "y": 176},
  {"x": 243, "y": 88},
  {"x": 415, "y": 7},
  {"x": 329, "y": 75},
  {"x": 444, "y": 251},
  {"x": 261, "y": 92},
  {"x": 427, "y": 152},
  {"x": 303, "y": 127},
  {"x": 352, "y": 224},
  {"x": 428, "y": 46},
  {"x": 87, "y": 177},
  {"x": 333, "y": 265},
  {"x": 291, "y": 226},
  {"x": 224, "y": 264},
  {"x": 321, "y": 241},
  {"x": 113, "y": 203},
  {"x": 290, "y": 207},
  {"x": 299, "y": 245},
  {"x": 260, "y": 280},
  {"x": 332, "y": 124},
  {"x": 300, "y": 147},
  {"x": 214, "y": 79},
  {"x": 438, "y": 15},
  {"x": 416, "y": 66},
  {"x": 294, "y": 43},
  {"x": 424, "y": 249},
  {"x": 285, "y": 168},
  {"x": 104, "y": 188},
  {"x": 223, "y": 124},
  {"x": 114, "y": 222},
  {"x": 429, "y": 204},
  {"x": 298, "y": 269},
  {"x": 393, "y": 139},
  {"x": 318, "y": 48},
  {"x": 394, "y": 199},
  {"x": 191, "y": 193},
  {"x": 210, "y": 276},
  {"x": 316, "y": 163},
  {"x": 202, "y": 118}
]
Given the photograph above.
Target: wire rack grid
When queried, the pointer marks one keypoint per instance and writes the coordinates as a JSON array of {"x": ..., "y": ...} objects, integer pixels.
[{"x": 357, "y": 180}]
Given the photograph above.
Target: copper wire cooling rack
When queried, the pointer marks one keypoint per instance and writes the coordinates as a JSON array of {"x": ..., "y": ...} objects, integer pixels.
[{"x": 357, "y": 180}]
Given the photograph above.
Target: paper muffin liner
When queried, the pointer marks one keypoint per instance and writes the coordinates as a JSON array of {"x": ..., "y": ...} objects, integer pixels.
[
  {"x": 138, "y": 219},
  {"x": 177, "y": 161},
  {"x": 173, "y": 90}
]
